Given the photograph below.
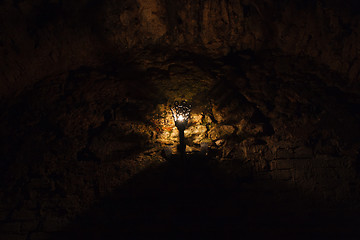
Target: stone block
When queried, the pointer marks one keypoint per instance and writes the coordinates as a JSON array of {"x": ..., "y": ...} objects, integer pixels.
[
  {"x": 263, "y": 176},
  {"x": 284, "y": 174},
  {"x": 39, "y": 183},
  {"x": 301, "y": 163},
  {"x": 4, "y": 214},
  {"x": 330, "y": 161},
  {"x": 269, "y": 155},
  {"x": 303, "y": 152},
  {"x": 226, "y": 151},
  {"x": 10, "y": 227},
  {"x": 226, "y": 130},
  {"x": 173, "y": 135},
  {"x": 220, "y": 142},
  {"x": 207, "y": 119},
  {"x": 221, "y": 132},
  {"x": 284, "y": 164},
  {"x": 257, "y": 148},
  {"x": 197, "y": 133},
  {"x": 300, "y": 175},
  {"x": 217, "y": 115},
  {"x": 24, "y": 214},
  {"x": 28, "y": 226},
  {"x": 272, "y": 165},
  {"x": 30, "y": 204},
  {"x": 320, "y": 161},
  {"x": 9, "y": 236},
  {"x": 196, "y": 118},
  {"x": 284, "y": 153},
  {"x": 53, "y": 224},
  {"x": 40, "y": 236}
]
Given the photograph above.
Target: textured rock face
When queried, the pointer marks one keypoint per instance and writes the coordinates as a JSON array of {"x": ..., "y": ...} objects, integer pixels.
[
  {"x": 325, "y": 31},
  {"x": 274, "y": 88},
  {"x": 75, "y": 138},
  {"x": 44, "y": 38}
]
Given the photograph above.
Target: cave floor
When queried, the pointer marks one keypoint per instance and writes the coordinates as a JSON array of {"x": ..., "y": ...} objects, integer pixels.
[{"x": 193, "y": 199}]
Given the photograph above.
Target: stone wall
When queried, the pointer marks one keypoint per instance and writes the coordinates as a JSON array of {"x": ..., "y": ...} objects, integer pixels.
[
  {"x": 86, "y": 87},
  {"x": 44, "y": 38},
  {"x": 75, "y": 138}
]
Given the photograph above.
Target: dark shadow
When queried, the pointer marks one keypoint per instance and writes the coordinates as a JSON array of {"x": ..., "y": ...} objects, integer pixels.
[{"x": 195, "y": 199}]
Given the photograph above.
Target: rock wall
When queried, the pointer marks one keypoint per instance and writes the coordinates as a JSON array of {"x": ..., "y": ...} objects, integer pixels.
[
  {"x": 42, "y": 38},
  {"x": 74, "y": 139},
  {"x": 85, "y": 89}
]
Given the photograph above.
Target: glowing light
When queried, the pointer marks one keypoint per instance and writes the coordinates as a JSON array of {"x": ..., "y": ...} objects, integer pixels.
[{"x": 181, "y": 112}]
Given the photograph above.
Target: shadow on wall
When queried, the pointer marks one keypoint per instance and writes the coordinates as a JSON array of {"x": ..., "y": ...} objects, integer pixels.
[
  {"x": 195, "y": 199},
  {"x": 270, "y": 115}
]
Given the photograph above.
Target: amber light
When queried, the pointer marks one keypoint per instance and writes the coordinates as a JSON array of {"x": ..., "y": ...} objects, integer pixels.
[{"x": 181, "y": 113}]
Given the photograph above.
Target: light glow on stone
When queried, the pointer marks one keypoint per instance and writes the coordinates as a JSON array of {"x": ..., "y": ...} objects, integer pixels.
[{"x": 181, "y": 112}]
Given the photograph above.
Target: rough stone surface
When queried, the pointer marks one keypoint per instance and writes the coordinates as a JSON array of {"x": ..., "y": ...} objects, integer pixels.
[
  {"x": 86, "y": 88},
  {"x": 44, "y": 39}
]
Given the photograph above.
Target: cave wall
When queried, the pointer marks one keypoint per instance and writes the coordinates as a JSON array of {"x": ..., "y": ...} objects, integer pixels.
[
  {"x": 88, "y": 84},
  {"x": 41, "y": 38},
  {"x": 72, "y": 140}
]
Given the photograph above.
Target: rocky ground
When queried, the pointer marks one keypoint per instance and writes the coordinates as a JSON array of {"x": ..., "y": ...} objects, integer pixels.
[{"x": 86, "y": 151}]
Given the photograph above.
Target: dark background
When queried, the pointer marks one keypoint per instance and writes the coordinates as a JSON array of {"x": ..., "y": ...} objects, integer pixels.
[{"x": 86, "y": 129}]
